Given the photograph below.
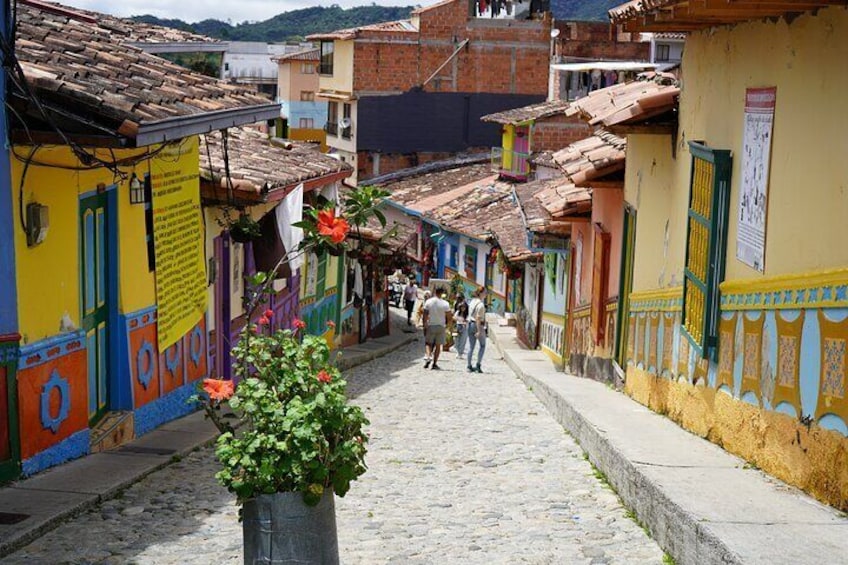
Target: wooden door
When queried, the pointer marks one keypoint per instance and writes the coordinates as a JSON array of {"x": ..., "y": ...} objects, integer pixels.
[
  {"x": 9, "y": 447},
  {"x": 223, "y": 295},
  {"x": 628, "y": 249},
  {"x": 95, "y": 298}
]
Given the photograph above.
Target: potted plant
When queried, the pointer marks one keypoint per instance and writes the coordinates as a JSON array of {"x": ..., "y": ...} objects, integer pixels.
[
  {"x": 292, "y": 441},
  {"x": 243, "y": 228},
  {"x": 299, "y": 443}
]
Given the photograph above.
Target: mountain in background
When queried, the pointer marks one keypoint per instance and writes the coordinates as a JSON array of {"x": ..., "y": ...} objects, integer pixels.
[
  {"x": 289, "y": 26},
  {"x": 297, "y": 24},
  {"x": 583, "y": 10}
]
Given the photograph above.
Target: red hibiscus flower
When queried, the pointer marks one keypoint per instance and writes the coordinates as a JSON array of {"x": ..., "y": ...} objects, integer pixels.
[
  {"x": 299, "y": 324},
  {"x": 218, "y": 389},
  {"x": 263, "y": 321},
  {"x": 330, "y": 225},
  {"x": 269, "y": 313},
  {"x": 331, "y": 324},
  {"x": 324, "y": 377}
]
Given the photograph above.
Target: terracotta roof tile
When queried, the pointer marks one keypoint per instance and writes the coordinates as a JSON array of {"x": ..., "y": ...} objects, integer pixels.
[
  {"x": 399, "y": 26},
  {"x": 593, "y": 157},
  {"x": 527, "y": 113},
  {"x": 89, "y": 69},
  {"x": 129, "y": 30},
  {"x": 471, "y": 212},
  {"x": 410, "y": 190},
  {"x": 508, "y": 229},
  {"x": 305, "y": 55},
  {"x": 653, "y": 95},
  {"x": 259, "y": 166}
]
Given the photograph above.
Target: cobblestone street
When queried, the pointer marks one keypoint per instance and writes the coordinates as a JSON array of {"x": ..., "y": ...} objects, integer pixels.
[{"x": 463, "y": 468}]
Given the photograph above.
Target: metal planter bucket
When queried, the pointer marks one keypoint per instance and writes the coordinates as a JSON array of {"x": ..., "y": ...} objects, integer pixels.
[{"x": 280, "y": 528}]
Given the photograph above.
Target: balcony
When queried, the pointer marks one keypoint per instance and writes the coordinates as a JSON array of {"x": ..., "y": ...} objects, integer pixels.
[
  {"x": 510, "y": 164},
  {"x": 332, "y": 128}
]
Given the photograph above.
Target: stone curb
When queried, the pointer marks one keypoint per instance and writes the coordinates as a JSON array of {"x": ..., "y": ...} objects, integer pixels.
[
  {"x": 345, "y": 363},
  {"x": 677, "y": 531},
  {"x": 19, "y": 540}
]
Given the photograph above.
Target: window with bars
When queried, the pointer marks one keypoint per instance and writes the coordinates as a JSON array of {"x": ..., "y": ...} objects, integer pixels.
[{"x": 706, "y": 242}]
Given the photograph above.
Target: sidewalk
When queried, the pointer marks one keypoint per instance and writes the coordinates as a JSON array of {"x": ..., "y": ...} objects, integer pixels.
[
  {"x": 700, "y": 503},
  {"x": 31, "y": 507}
]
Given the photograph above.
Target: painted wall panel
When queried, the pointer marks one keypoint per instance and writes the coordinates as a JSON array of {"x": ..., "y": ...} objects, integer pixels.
[{"x": 52, "y": 392}]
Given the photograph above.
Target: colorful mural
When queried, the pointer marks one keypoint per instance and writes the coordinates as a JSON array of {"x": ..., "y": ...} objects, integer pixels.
[
  {"x": 781, "y": 352},
  {"x": 101, "y": 296}
]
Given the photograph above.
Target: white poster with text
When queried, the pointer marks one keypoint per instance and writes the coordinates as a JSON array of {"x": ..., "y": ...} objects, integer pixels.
[{"x": 753, "y": 195}]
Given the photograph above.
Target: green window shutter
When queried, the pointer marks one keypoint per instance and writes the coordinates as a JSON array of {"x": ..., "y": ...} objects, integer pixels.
[
  {"x": 322, "y": 276},
  {"x": 706, "y": 242}
]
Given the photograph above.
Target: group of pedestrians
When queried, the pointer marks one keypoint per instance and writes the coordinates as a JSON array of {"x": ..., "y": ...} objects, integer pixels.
[{"x": 436, "y": 316}]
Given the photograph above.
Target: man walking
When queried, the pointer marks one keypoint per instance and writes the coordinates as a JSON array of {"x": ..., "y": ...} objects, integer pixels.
[
  {"x": 410, "y": 295},
  {"x": 437, "y": 314}
]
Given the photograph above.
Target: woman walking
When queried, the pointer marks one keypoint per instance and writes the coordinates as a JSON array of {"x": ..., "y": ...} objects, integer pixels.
[
  {"x": 460, "y": 314},
  {"x": 477, "y": 330}
]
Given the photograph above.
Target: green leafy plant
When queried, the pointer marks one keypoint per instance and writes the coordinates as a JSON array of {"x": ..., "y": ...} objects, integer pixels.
[
  {"x": 242, "y": 228},
  {"x": 291, "y": 428},
  {"x": 299, "y": 433}
]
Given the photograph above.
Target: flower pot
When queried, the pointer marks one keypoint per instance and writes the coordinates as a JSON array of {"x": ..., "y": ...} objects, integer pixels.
[
  {"x": 281, "y": 528},
  {"x": 241, "y": 236}
]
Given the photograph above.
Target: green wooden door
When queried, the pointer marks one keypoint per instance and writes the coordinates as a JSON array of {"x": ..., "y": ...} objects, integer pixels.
[
  {"x": 10, "y": 465},
  {"x": 94, "y": 300},
  {"x": 626, "y": 285}
]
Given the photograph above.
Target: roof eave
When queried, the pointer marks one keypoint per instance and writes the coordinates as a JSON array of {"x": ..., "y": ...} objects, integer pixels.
[{"x": 171, "y": 129}]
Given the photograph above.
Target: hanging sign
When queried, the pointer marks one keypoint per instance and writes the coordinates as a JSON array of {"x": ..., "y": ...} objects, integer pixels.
[{"x": 178, "y": 242}]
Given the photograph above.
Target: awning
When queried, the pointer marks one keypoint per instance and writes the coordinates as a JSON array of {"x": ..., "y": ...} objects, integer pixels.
[{"x": 604, "y": 66}]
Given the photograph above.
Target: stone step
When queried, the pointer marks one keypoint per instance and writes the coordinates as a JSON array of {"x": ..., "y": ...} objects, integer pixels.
[{"x": 113, "y": 430}]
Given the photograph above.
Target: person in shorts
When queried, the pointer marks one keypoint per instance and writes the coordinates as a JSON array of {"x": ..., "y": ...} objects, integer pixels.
[{"x": 437, "y": 314}]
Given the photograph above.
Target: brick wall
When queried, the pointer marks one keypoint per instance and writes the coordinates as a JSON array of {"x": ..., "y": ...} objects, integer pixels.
[
  {"x": 598, "y": 41},
  {"x": 502, "y": 56},
  {"x": 557, "y": 132}
]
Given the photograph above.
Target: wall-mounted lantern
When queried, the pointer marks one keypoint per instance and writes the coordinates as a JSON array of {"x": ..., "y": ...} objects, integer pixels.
[
  {"x": 37, "y": 224},
  {"x": 137, "y": 192}
]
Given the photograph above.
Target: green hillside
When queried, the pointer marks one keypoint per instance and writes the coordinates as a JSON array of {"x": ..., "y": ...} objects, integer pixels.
[
  {"x": 297, "y": 24},
  {"x": 289, "y": 26}
]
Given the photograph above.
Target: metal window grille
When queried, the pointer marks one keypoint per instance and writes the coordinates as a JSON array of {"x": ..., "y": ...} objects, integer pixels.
[{"x": 706, "y": 243}]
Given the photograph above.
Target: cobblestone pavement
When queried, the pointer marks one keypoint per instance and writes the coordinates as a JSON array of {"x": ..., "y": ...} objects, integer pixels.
[{"x": 463, "y": 468}]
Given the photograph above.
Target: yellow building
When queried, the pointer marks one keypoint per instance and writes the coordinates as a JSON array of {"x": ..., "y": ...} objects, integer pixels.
[
  {"x": 269, "y": 181},
  {"x": 738, "y": 320},
  {"x": 111, "y": 273}
]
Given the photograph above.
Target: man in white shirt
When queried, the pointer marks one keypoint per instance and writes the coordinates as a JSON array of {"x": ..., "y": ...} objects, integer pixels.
[{"x": 437, "y": 314}]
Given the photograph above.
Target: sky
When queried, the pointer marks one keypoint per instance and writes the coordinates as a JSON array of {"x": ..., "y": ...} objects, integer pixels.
[{"x": 236, "y": 11}]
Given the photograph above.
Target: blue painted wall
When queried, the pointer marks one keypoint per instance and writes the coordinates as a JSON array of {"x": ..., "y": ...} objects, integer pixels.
[
  {"x": 8, "y": 219},
  {"x": 294, "y": 110}
]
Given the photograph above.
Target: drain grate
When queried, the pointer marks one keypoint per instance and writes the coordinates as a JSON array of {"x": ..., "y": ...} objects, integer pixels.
[
  {"x": 9, "y": 518},
  {"x": 146, "y": 450}
]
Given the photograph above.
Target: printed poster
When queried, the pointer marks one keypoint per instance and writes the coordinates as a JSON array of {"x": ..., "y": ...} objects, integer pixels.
[
  {"x": 753, "y": 196},
  {"x": 178, "y": 242}
]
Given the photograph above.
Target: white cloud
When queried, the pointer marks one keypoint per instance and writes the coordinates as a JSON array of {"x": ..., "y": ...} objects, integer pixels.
[{"x": 195, "y": 10}]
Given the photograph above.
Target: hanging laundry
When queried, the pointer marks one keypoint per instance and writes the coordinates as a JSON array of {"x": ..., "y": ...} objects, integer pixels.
[{"x": 290, "y": 211}]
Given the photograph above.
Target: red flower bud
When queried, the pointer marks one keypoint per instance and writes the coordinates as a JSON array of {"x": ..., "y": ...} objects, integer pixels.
[
  {"x": 324, "y": 377},
  {"x": 269, "y": 313}
]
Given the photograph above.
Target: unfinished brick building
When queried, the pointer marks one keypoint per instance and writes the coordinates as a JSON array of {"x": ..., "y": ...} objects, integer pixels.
[{"x": 407, "y": 92}]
